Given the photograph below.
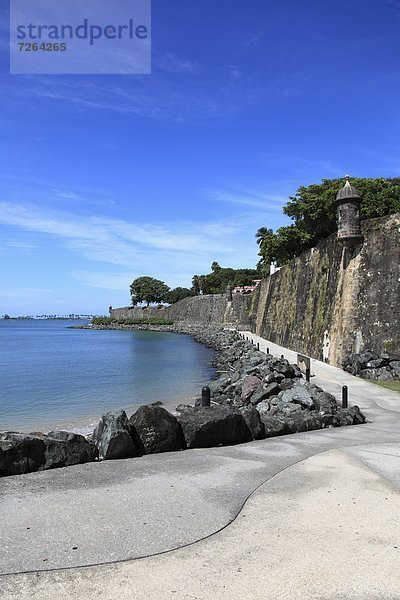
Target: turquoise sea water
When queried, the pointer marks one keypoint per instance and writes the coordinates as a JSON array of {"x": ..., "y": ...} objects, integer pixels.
[{"x": 52, "y": 376}]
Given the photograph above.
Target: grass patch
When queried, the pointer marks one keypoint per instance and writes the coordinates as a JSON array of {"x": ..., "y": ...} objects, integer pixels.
[
  {"x": 149, "y": 321},
  {"x": 389, "y": 385}
]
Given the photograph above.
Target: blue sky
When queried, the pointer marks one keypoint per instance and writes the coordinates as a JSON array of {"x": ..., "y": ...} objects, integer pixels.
[{"x": 107, "y": 178}]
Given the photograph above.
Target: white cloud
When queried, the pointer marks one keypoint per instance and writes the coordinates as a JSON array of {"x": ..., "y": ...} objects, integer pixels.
[
  {"x": 265, "y": 202},
  {"x": 173, "y": 252},
  {"x": 174, "y": 64},
  {"x": 113, "y": 281}
]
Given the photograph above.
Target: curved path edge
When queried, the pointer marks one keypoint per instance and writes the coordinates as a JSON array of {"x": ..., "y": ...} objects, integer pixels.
[
  {"x": 317, "y": 529},
  {"x": 124, "y": 510}
]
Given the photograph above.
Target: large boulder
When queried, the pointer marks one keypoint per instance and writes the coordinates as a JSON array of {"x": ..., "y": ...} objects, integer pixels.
[
  {"x": 263, "y": 407},
  {"x": 253, "y": 421},
  {"x": 213, "y": 426},
  {"x": 64, "y": 449},
  {"x": 265, "y": 392},
  {"x": 282, "y": 366},
  {"x": 325, "y": 402},
  {"x": 304, "y": 421},
  {"x": 249, "y": 385},
  {"x": 273, "y": 425},
  {"x": 298, "y": 394},
  {"x": 22, "y": 453},
  {"x": 113, "y": 437},
  {"x": 349, "y": 416},
  {"x": 395, "y": 368},
  {"x": 156, "y": 430},
  {"x": 382, "y": 374}
]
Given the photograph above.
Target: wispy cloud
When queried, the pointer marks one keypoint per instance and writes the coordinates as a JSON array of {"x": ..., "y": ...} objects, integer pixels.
[
  {"x": 176, "y": 249},
  {"x": 114, "y": 281},
  {"x": 265, "y": 202},
  {"x": 18, "y": 245},
  {"x": 174, "y": 64},
  {"x": 220, "y": 94}
]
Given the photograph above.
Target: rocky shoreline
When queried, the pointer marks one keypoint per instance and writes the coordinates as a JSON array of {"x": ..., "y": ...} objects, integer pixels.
[{"x": 255, "y": 396}]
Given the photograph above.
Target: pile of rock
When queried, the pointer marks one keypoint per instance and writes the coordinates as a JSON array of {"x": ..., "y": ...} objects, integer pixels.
[
  {"x": 269, "y": 393},
  {"x": 369, "y": 365},
  {"x": 256, "y": 396}
]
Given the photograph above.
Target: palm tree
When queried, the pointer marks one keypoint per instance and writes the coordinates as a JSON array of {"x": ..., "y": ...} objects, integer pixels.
[{"x": 261, "y": 234}]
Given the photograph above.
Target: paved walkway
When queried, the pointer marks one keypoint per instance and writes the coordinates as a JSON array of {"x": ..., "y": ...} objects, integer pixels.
[{"x": 324, "y": 522}]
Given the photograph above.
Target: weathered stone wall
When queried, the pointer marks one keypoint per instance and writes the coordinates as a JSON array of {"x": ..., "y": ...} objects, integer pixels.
[
  {"x": 199, "y": 310},
  {"x": 330, "y": 301},
  {"x": 327, "y": 303}
]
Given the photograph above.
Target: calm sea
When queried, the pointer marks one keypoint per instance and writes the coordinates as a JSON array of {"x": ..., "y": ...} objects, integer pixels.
[{"x": 52, "y": 376}]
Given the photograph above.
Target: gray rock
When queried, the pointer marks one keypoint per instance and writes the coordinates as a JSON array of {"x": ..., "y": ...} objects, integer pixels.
[
  {"x": 376, "y": 364},
  {"x": 182, "y": 407},
  {"x": 265, "y": 392},
  {"x": 273, "y": 425},
  {"x": 325, "y": 402},
  {"x": 304, "y": 421},
  {"x": 289, "y": 408},
  {"x": 113, "y": 437},
  {"x": 253, "y": 421},
  {"x": 156, "y": 430},
  {"x": 213, "y": 426},
  {"x": 64, "y": 449},
  {"x": 263, "y": 407},
  {"x": 286, "y": 384},
  {"x": 274, "y": 376},
  {"x": 282, "y": 366},
  {"x": 395, "y": 368},
  {"x": 383, "y": 374},
  {"x": 21, "y": 453},
  {"x": 350, "y": 416},
  {"x": 299, "y": 395}
]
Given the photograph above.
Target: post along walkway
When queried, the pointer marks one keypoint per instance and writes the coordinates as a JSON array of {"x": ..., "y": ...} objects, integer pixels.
[{"x": 311, "y": 515}]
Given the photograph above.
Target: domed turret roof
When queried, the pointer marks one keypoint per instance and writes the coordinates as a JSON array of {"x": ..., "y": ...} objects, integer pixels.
[{"x": 347, "y": 191}]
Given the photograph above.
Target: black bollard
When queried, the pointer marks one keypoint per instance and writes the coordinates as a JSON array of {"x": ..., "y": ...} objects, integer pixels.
[
  {"x": 258, "y": 346},
  {"x": 205, "y": 396},
  {"x": 345, "y": 396},
  {"x": 308, "y": 375},
  {"x": 282, "y": 356},
  {"x": 267, "y": 350}
]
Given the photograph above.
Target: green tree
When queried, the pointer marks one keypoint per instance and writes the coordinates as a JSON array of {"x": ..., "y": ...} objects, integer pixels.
[
  {"x": 262, "y": 234},
  {"x": 148, "y": 289},
  {"x": 6, "y": 316},
  {"x": 215, "y": 267},
  {"x": 220, "y": 279},
  {"x": 178, "y": 293},
  {"x": 195, "y": 285}
]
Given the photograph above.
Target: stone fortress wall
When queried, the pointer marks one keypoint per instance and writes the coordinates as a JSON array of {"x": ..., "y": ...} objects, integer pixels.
[
  {"x": 326, "y": 303},
  {"x": 211, "y": 309}
]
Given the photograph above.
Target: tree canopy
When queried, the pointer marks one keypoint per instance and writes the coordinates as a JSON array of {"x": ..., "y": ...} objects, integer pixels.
[
  {"x": 221, "y": 278},
  {"x": 148, "y": 289},
  {"x": 178, "y": 293},
  {"x": 313, "y": 211}
]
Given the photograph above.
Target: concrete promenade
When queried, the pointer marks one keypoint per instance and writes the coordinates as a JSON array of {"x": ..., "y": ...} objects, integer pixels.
[{"x": 312, "y": 515}]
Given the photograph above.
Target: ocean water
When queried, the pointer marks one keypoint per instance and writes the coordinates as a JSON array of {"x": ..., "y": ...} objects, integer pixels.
[{"x": 52, "y": 376}]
